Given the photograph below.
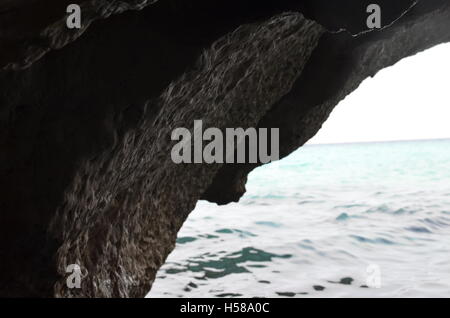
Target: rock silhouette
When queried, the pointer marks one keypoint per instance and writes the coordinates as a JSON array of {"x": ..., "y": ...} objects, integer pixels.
[{"x": 86, "y": 116}]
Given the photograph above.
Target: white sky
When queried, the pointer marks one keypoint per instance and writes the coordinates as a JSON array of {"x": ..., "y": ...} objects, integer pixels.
[{"x": 408, "y": 101}]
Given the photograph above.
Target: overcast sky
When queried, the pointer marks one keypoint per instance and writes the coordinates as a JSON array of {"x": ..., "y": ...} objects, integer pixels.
[{"x": 408, "y": 101}]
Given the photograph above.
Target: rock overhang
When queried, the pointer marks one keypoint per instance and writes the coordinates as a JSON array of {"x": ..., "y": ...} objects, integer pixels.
[
  {"x": 86, "y": 117},
  {"x": 31, "y": 28}
]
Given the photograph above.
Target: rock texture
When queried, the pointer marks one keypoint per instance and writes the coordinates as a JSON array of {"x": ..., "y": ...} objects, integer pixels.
[{"x": 86, "y": 117}]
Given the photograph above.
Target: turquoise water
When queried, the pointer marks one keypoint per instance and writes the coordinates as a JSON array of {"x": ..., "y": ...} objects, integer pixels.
[{"x": 352, "y": 220}]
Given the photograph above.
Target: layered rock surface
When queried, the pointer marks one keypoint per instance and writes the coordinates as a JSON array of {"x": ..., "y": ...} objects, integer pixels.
[{"x": 86, "y": 117}]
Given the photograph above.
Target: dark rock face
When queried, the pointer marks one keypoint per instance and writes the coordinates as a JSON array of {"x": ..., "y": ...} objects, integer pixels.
[{"x": 86, "y": 117}]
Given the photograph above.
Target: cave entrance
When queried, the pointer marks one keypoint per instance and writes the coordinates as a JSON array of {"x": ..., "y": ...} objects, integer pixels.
[{"x": 361, "y": 210}]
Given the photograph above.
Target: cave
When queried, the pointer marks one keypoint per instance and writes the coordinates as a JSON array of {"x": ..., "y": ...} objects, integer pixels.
[
  {"x": 86, "y": 117},
  {"x": 362, "y": 196}
]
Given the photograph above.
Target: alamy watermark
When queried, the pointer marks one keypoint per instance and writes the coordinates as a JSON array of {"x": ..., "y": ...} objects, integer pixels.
[
  {"x": 73, "y": 20},
  {"x": 233, "y": 145},
  {"x": 75, "y": 275},
  {"x": 373, "y": 279},
  {"x": 374, "y": 19}
]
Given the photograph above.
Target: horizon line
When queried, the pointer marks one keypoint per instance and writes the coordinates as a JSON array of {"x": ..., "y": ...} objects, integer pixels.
[{"x": 375, "y": 141}]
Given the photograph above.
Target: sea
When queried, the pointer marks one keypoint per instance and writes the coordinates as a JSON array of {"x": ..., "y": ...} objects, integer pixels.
[{"x": 342, "y": 220}]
